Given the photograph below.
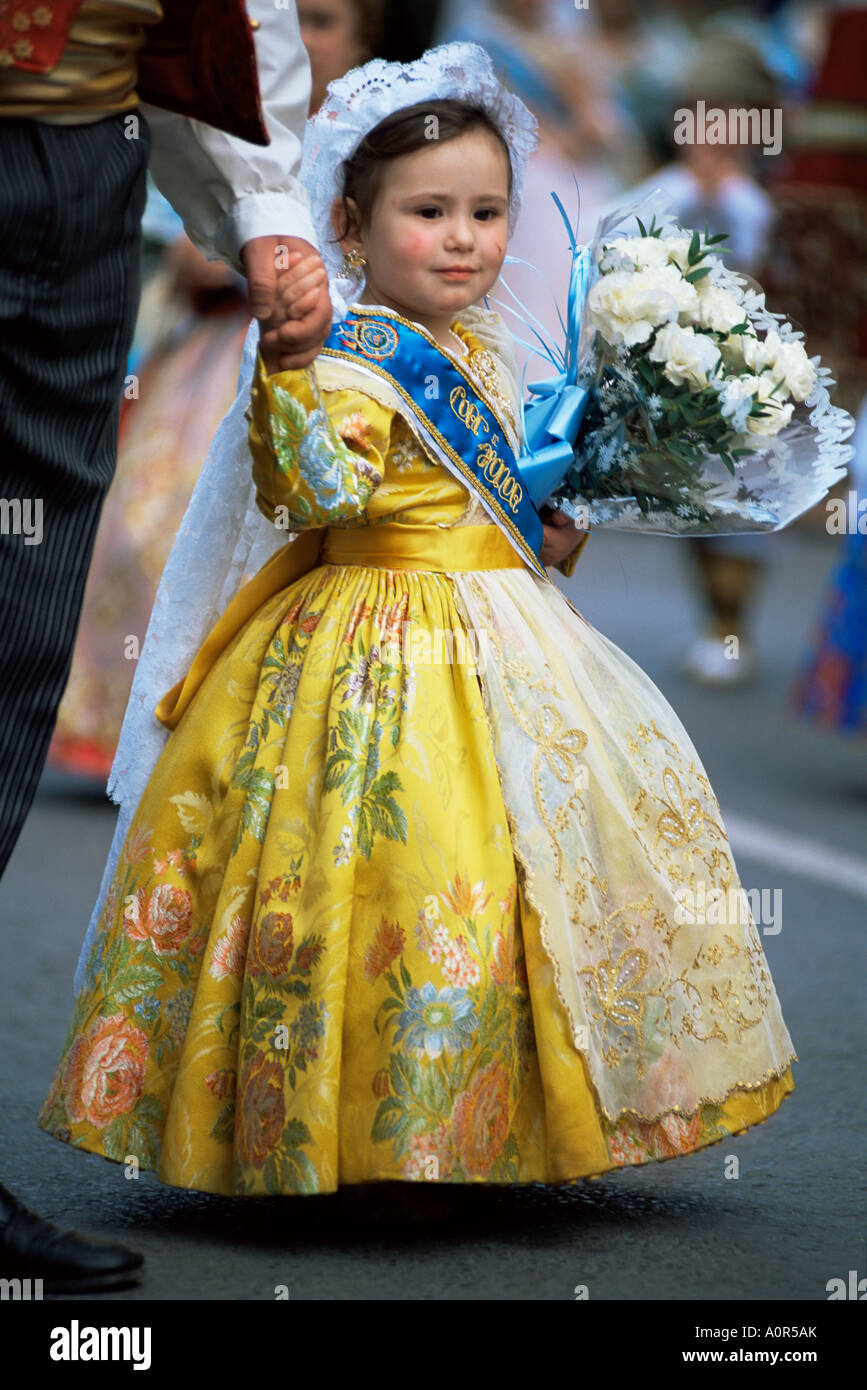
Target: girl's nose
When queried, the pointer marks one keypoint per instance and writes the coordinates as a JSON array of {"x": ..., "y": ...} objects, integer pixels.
[{"x": 461, "y": 232}]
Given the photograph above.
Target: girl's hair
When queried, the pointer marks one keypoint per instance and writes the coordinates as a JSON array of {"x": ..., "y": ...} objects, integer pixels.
[{"x": 404, "y": 132}]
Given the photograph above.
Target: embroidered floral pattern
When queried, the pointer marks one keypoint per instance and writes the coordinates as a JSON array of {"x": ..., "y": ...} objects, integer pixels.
[
  {"x": 378, "y": 920},
  {"x": 458, "y": 1049},
  {"x": 354, "y": 430}
]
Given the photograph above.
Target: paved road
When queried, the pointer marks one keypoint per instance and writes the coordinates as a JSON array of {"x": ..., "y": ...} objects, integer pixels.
[{"x": 795, "y": 802}]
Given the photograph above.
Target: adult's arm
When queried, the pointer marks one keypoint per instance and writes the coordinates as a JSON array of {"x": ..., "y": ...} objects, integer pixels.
[{"x": 229, "y": 191}]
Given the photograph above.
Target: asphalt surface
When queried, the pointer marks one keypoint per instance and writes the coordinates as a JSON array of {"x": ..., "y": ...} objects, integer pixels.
[{"x": 795, "y": 802}]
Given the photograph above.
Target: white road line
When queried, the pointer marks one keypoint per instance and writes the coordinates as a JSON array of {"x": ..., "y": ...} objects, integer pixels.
[{"x": 795, "y": 852}]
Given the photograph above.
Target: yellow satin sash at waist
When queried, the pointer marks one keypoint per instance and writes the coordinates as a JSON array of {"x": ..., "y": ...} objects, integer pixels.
[
  {"x": 420, "y": 547},
  {"x": 390, "y": 546}
]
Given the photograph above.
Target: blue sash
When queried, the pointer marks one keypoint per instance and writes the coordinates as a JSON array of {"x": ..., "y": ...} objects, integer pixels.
[{"x": 448, "y": 410}]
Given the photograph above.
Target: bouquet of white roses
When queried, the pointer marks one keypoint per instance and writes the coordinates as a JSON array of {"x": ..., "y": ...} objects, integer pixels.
[{"x": 698, "y": 411}]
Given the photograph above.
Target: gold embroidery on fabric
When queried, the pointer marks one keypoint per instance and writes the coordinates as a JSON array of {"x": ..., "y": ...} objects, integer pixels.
[
  {"x": 725, "y": 989},
  {"x": 524, "y": 671},
  {"x": 406, "y": 453},
  {"x": 481, "y": 364}
]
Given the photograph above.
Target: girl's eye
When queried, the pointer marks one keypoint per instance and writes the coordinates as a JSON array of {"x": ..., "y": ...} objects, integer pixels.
[
  {"x": 486, "y": 213},
  {"x": 429, "y": 212}
]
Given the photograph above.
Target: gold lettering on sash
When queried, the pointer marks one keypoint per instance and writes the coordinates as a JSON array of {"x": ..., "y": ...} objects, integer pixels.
[
  {"x": 467, "y": 411},
  {"x": 498, "y": 473}
]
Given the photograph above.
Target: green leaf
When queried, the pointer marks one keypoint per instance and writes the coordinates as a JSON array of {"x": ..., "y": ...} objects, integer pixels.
[
  {"x": 405, "y": 1074},
  {"x": 163, "y": 1048},
  {"x": 399, "y": 1084},
  {"x": 295, "y": 1133},
  {"x": 222, "y": 1014},
  {"x": 694, "y": 254},
  {"x": 434, "y": 1093},
  {"x": 253, "y": 820},
  {"x": 223, "y": 1128},
  {"x": 143, "y": 1141},
  {"x": 268, "y": 1008},
  {"x": 114, "y": 1139},
  {"x": 697, "y": 274},
  {"x": 134, "y": 982},
  {"x": 273, "y": 1172},
  {"x": 389, "y": 1120},
  {"x": 243, "y": 769},
  {"x": 150, "y": 1108},
  {"x": 260, "y": 1030},
  {"x": 306, "y": 1178}
]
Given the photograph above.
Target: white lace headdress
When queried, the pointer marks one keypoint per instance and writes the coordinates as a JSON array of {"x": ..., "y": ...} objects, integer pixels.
[{"x": 224, "y": 539}]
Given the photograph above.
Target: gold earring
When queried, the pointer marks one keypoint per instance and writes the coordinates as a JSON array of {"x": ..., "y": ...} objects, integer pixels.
[{"x": 353, "y": 263}]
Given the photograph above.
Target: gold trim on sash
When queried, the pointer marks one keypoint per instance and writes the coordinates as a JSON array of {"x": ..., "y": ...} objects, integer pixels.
[{"x": 473, "y": 479}]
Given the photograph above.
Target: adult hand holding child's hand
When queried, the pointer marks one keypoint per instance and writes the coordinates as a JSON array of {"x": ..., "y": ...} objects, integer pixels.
[{"x": 292, "y": 303}]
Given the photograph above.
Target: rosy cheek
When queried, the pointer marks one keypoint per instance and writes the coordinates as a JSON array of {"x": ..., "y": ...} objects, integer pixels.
[{"x": 417, "y": 245}]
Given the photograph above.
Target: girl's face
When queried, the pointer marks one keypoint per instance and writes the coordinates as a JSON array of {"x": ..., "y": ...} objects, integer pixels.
[
  {"x": 329, "y": 33},
  {"x": 436, "y": 238}
]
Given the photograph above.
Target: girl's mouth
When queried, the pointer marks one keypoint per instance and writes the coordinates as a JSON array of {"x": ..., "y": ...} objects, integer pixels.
[{"x": 456, "y": 274}]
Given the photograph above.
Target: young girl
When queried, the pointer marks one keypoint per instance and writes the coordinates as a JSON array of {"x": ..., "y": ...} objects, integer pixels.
[{"x": 428, "y": 883}]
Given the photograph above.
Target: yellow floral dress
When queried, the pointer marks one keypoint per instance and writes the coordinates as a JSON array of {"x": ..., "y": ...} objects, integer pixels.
[{"x": 403, "y": 898}]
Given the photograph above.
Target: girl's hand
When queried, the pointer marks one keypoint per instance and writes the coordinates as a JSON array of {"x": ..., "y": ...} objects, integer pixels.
[
  {"x": 561, "y": 537},
  {"x": 299, "y": 324}
]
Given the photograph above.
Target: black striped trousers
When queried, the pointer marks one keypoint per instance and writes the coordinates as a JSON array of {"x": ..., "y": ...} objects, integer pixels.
[{"x": 71, "y": 200}]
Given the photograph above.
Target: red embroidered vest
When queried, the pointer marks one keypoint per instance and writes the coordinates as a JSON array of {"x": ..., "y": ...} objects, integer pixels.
[{"x": 199, "y": 61}]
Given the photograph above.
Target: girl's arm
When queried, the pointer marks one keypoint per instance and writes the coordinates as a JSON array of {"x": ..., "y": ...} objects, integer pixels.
[{"x": 317, "y": 455}]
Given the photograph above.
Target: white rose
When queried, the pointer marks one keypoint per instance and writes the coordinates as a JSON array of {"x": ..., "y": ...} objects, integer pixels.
[
  {"x": 736, "y": 393},
  {"x": 638, "y": 251},
  {"x": 779, "y": 411},
  {"x": 627, "y": 305},
  {"x": 670, "y": 278},
  {"x": 792, "y": 363},
  {"x": 677, "y": 249},
  {"x": 759, "y": 353},
  {"x": 717, "y": 308},
  {"x": 732, "y": 349},
  {"x": 688, "y": 356}
]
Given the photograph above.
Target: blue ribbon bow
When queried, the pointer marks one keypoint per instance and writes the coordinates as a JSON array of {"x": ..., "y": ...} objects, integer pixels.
[{"x": 552, "y": 422}]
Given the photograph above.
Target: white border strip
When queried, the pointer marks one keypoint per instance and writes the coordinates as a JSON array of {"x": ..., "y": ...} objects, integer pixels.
[{"x": 796, "y": 853}]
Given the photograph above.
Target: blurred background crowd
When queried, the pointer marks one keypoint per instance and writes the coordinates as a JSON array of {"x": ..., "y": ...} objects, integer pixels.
[{"x": 605, "y": 79}]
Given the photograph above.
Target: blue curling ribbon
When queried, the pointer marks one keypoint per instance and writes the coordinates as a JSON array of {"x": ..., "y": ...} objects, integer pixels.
[{"x": 552, "y": 422}]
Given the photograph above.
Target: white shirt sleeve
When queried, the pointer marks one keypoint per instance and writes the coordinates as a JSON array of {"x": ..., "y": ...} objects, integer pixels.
[{"x": 225, "y": 189}]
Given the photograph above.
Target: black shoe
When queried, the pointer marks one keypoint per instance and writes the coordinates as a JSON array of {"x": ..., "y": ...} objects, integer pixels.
[{"x": 31, "y": 1248}]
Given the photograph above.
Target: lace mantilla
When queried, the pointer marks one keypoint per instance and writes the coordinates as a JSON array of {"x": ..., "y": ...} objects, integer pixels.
[{"x": 366, "y": 95}]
